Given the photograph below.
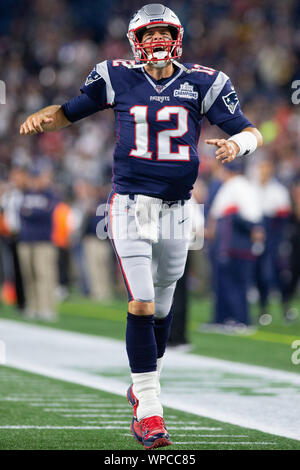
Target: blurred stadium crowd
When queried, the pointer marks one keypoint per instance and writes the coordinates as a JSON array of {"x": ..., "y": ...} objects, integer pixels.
[{"x": 51, "y": 184}]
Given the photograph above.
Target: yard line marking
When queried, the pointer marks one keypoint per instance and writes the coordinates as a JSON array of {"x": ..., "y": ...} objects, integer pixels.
[
  {"x": 43, "y": 401},
  {"x": 125, "y": 422},
  {"x": 200, "y": 428},
  {"x": 41, "y": 396},
  {"x": 192, "y": 428},
  {"x": 196, "y": 423},
  {"x": 232, "y": 443},
  {"x": 82, "y": 410},
  {"x": 83, "y": 428},
  {"x": 108, "y": 415},
  {"x": 214, "y": 435},
  {"x": 189, "y": 428},
  {"x": 57, "y": 405},
  {"x": 271, "y": 405}
]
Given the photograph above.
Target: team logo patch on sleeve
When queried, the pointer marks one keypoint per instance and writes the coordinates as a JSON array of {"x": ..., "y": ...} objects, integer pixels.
[
  {"x": 231, "y": 100},
  {"x": 93, "y": 77}
]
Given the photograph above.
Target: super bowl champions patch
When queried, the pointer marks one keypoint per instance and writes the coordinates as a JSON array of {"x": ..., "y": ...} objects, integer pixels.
[
  {"x": 186, "y": 91},
  {"x": 231, "y": 101},
  {"x": 93, "y": 77}
]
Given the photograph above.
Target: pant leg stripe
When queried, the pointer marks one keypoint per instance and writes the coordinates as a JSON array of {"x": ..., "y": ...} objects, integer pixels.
[{"x": 110, "y": 225}]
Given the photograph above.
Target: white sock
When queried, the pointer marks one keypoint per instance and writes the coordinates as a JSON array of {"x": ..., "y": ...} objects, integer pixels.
[
  {"x": 145, "y": 389},
  {"x": 159, "y": 369}
]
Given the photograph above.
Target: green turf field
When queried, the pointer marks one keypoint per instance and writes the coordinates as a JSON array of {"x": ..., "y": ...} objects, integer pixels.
[
  {"x": 37, "y": 412},
  {"x": 40, "y": 413},
  {"x": 269, "y": 346}
]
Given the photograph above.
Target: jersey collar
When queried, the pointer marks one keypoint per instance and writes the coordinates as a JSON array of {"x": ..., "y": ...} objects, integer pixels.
[{"x": 160, "y": 88}]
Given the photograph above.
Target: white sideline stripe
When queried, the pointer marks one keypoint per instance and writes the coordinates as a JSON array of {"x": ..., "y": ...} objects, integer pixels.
[
  {"x": 109, "y": 420},
  {"x": 214, "y": 435},
  {"x": 233, "y": 443},
  {"x": 72, "y": 337},
  {"x": 57, "y": 405},
  {"x": 187, "y": 428},
  {"x": 30, "y": 348},
  {"x": 172, "y": 420},
  {"x": 205, "y": 435},
  {"x": 83, "y": 428},
  {"x": 44, "y": 401},
  {"x": 83, "y": 410},
  {"x": 74, "y": 415},
  {"x": 199, "y": 428},
  {"x": 55, "y": 395}
]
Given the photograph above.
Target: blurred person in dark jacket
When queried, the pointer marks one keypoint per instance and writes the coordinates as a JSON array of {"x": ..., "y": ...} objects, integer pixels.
[
  {"x": 213, "y": 187},
  {"x": 237, "y": 215},
  {"x": 38, "y": 255},
  {"x": 180, "y": 308},
  {"x": 293, "y": 251},
  {"x": 10, "y": 204},
  {"x": 270, "y": 266}
]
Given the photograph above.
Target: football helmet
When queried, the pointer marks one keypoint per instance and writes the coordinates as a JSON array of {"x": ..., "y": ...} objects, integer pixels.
[{"x": 159, "y": 53}]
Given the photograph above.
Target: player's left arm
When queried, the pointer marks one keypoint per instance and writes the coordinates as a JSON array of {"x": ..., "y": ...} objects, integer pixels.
[
  {"x": 246, "y": 142},
  {"x": 221, "y": 106}
]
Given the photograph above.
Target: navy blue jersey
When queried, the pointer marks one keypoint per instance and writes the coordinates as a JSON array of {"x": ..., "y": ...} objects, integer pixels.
[
  {"x": 36, "y": 215},
  {"x": 158, "y": 123}
]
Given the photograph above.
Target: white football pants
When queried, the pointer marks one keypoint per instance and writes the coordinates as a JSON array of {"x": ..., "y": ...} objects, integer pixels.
[{"x": 150, "y": 270}]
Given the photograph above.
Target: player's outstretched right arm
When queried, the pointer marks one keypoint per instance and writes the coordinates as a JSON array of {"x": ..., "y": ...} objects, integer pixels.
[{"x": 51, "y": 118}]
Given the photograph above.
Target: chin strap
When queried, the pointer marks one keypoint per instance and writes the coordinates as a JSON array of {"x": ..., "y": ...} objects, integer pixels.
[
  {"x": 182, "y": 67},
  {"x": 135, "y": 66}
]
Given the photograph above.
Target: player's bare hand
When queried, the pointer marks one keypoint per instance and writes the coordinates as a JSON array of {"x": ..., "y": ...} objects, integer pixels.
[
  {"x": 35, "y": 123},
  {"x": 227, "y": 149}
]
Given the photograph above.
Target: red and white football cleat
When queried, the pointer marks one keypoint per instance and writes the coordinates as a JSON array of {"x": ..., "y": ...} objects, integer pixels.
[
  {"x": 154, "y": 432},
  {"x": 135, "y": 425}
]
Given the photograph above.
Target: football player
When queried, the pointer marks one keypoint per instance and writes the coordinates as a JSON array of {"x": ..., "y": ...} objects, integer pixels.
[{"x": 159, "y": 105}]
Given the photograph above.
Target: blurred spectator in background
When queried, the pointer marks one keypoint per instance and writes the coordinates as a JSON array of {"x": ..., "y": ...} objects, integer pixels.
[
  {"x": 80, "y": 206},
  {"x": 93, "y": 256},
  {"x": 237, "y": 213},
  {"x": 210, "y": 246},
  {"x": 36, "y": 251},
  {"x": 97, "y": 252},
  {"x": 11, "y": 201},
  {"x": 178, "y": 333},
  {"x": 271, "y": 264},
  {"x": 293, "y": 251},
  {"x": 61, "y": 237}
]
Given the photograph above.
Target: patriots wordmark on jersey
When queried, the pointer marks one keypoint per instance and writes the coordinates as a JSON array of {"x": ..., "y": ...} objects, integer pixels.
[{"x": 158, "y": 123}]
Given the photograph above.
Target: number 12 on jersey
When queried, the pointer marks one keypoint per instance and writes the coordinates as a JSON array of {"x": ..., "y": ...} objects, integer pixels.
[{"x": 163, "y": 151}]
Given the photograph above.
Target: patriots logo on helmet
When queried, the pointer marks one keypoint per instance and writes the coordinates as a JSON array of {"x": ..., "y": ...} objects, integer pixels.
[
  {"x": 93, "y": 77},
  {"x": 231, "y": 100}
]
